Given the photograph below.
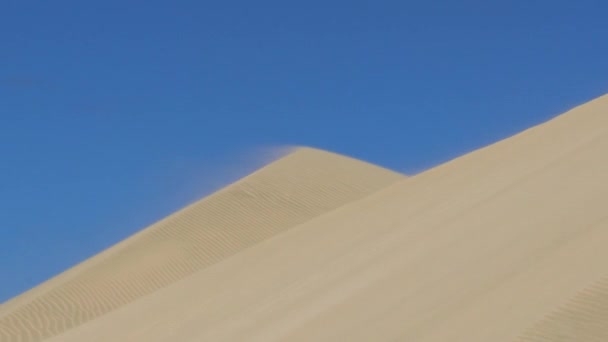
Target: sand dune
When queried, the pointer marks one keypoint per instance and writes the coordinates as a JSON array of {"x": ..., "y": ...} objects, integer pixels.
[
  {"x": 507, "y": 243},
  {"x": 288, "y": 192}
]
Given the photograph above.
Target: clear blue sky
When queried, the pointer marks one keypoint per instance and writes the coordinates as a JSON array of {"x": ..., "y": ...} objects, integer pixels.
[{"x": 115, "y": 113}]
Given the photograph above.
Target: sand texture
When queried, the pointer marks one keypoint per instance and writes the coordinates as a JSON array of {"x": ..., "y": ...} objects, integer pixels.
[
  {"x": 508, "y": 243},
  {"x": 288, "y": 192}
]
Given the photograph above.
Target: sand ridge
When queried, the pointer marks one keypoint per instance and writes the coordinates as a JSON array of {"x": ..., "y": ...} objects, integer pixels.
[{"x": 299, "y": 186}]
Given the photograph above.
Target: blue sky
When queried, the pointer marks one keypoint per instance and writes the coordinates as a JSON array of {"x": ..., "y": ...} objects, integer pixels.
[{"x": 115, "y": 113}]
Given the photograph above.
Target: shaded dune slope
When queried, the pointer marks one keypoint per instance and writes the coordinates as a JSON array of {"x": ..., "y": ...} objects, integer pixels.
[
  {"x": 304, "y": 184},
  {"x": 583, "y": 318},
  {"x": 505, "y": 244}
]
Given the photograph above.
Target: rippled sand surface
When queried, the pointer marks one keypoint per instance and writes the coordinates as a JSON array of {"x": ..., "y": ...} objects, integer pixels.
[{"x": 508, "y": 243}]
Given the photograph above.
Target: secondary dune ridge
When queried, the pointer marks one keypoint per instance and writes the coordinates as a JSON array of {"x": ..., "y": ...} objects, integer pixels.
[
  {"x": 504, "y": 244},
  {"x": 304, "y": 184}
]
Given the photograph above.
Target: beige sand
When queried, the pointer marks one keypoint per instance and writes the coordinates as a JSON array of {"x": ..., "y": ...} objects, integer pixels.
[
  {"x": 288, "y": 192},
  {"x": 505, "y": 244}
]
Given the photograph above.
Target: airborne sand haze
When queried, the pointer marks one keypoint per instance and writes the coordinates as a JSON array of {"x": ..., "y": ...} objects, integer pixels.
[{"x": 507, "y": 243}]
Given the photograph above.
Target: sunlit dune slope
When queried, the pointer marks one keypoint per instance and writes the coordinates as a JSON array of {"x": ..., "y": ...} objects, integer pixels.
[
  {"x": 508, "y": 243},
  {"x": 304, "y": 184},
  {"x": 505, "y": 244}
]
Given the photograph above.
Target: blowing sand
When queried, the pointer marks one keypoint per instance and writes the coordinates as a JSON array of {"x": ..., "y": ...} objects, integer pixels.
[{"x": 507, "y": 243}]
